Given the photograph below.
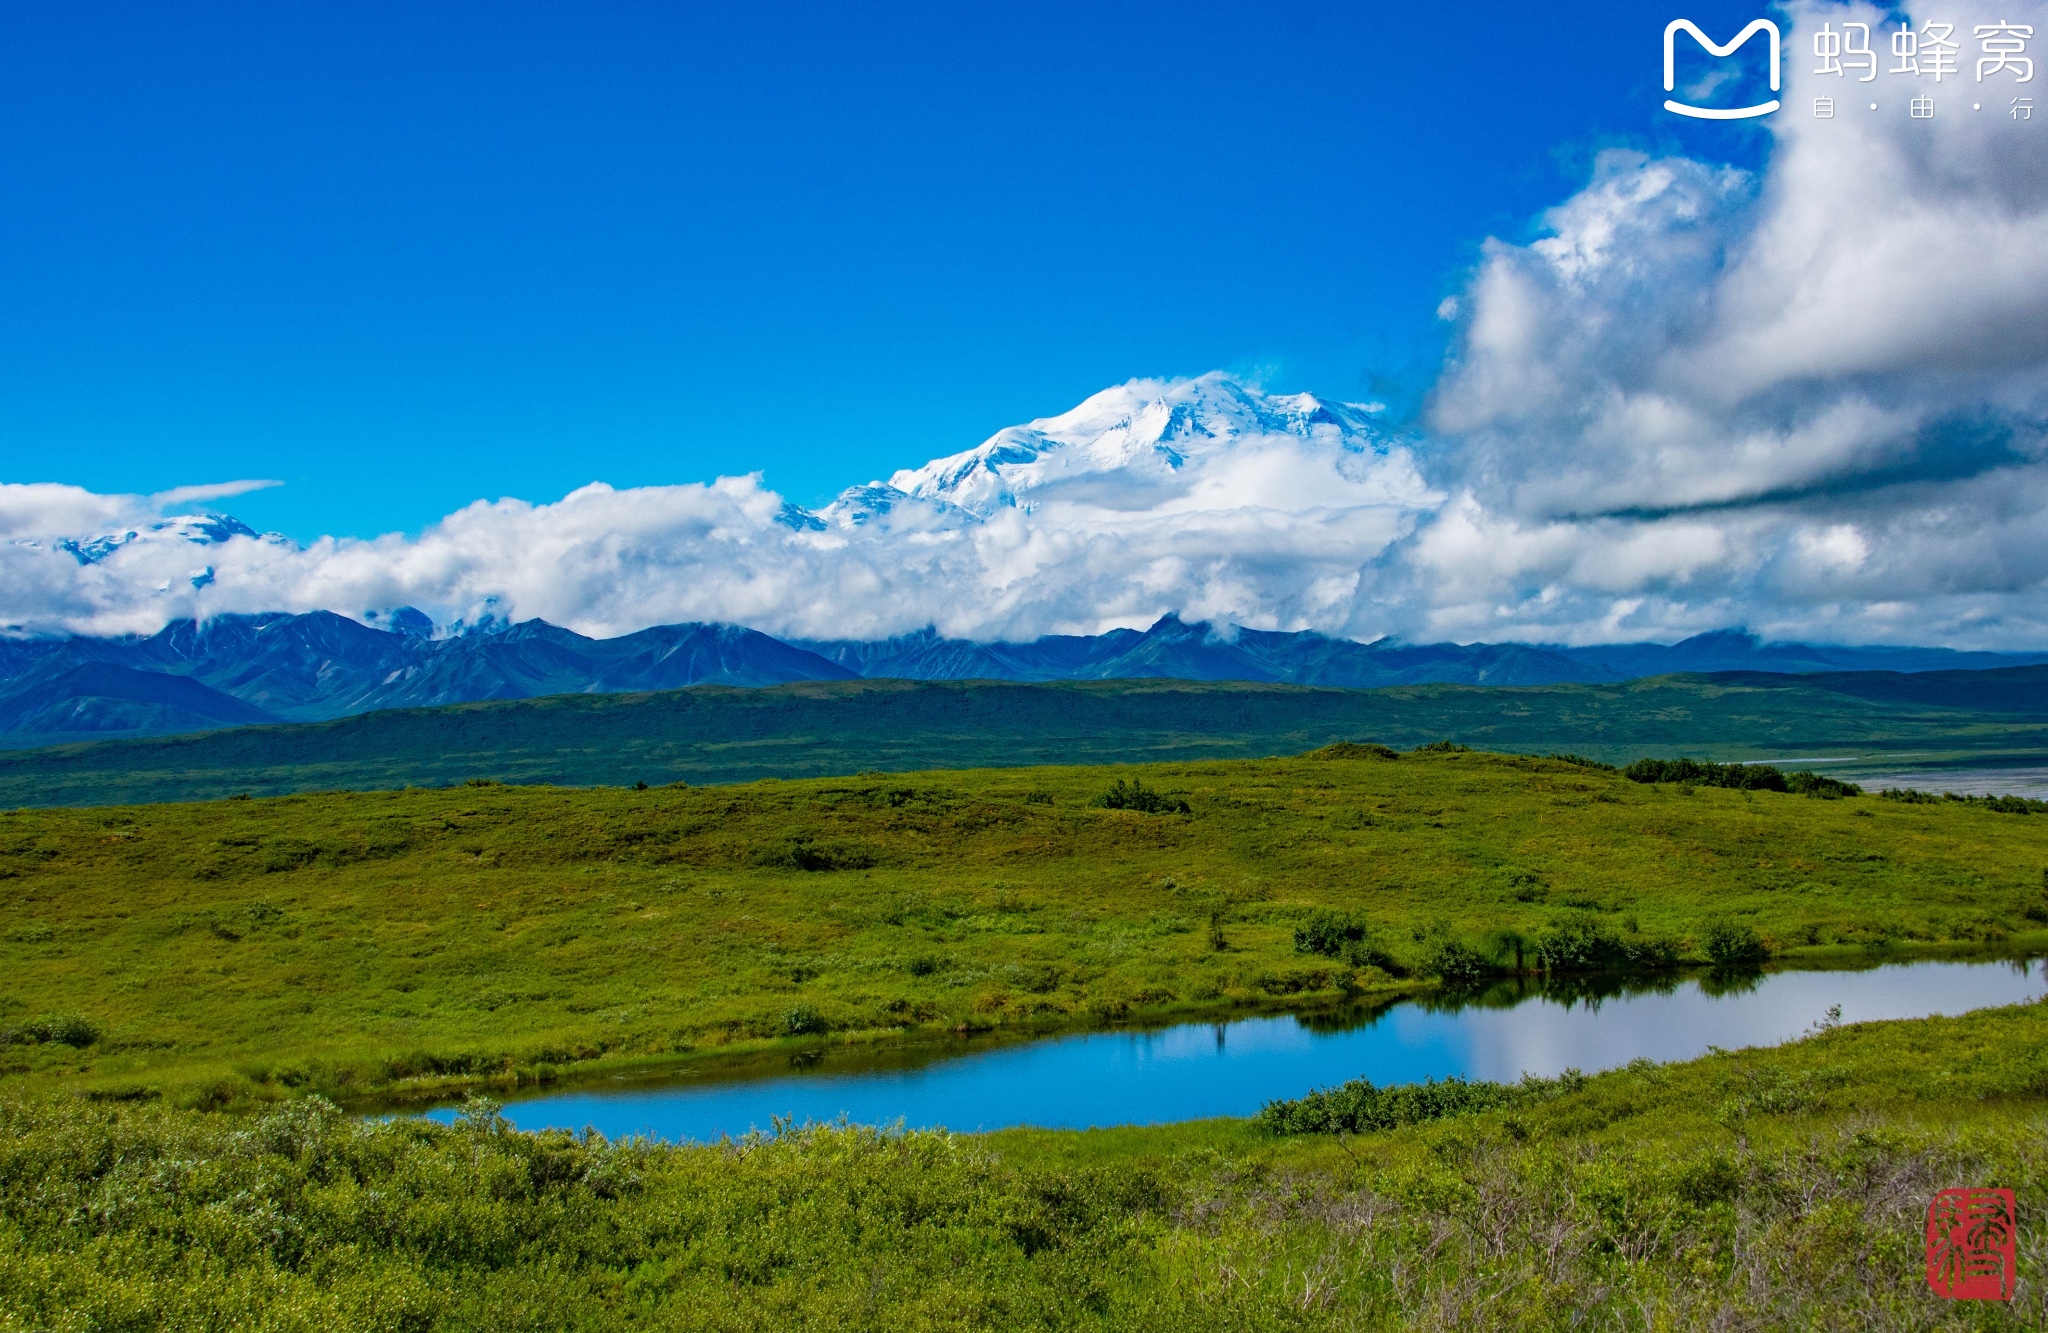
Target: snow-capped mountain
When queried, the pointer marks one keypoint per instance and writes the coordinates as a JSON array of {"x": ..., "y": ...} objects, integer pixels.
[
  {"x": 190, "y": 529},
  {"x": 1133, "y": 446},
  {"x": 1208, "y": 499}
]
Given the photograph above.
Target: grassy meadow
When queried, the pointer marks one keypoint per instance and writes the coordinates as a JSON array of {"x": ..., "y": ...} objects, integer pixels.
[{"x": 379, "y": 946}]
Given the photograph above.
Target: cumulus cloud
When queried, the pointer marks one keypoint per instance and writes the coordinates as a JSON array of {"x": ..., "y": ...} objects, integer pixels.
[
  {"x": 1812, "y": 400},
  {"x": 1815, "y": 401}
]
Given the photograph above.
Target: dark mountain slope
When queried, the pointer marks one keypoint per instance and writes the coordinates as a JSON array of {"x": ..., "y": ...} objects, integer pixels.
[
  {"x": 60, "y": 700},
  {"x": 720, "y": 734},
  {"x": 2008, "y": 690},
  {"x": 320, "y": 666}
]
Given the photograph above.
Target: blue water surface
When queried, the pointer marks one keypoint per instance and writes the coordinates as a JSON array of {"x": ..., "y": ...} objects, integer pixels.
[{"x": 1197, "y": 1070}]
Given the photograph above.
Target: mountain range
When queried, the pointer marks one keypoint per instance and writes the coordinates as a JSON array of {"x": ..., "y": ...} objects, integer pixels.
[{"x": 238, "y": 670}]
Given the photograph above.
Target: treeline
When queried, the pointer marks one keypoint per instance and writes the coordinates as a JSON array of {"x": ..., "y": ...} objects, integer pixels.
[{"x": 1740, "y": 777}]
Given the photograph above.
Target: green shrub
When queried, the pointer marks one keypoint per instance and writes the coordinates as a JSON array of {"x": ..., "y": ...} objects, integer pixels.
[
  {"x": 2004, "y": 805},
  {"x": 1584, "y": 944},
  {"x": 1354, "y": 750},
  {"x": 1580, "y": 761},
  {"x": 74, "y": 1030},
  {"x": 1341, "y": 935},
  {"x": 1443, "y": 747},
  {"x": 1577, "y": 944},
  {"x": 805, "y": 854},
  {"x": 1358, "y": 1107},
  {"x": 1646, "y": 952},
  {"x": 285, "y": 854},
  {"x": 1806, "y": 782},
  {"x": 1739, "y": 777},
  {"x": 803, "y": 1021},
  {"x": 1732, "y": 942},
  {"x": 1456, "y": 962},
  {"x": 1326, "y": 932},
  {"x": 1698, "y": 773},
  {"x": 1136, "y": 795}
]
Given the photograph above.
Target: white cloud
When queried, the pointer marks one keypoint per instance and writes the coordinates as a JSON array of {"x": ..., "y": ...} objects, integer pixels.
[
  {"x": 45, "y": 509},
  {"x": 1813, "y": 400},
  {"x": 195, "y": 495}
]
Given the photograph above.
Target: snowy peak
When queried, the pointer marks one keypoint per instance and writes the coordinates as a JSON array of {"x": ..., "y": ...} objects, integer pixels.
[
  {"x": 1125, "y": 445},
  {"x": 193, "y": 529}
]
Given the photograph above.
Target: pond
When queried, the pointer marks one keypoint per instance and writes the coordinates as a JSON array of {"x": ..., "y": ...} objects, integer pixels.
[{"x": 1197, "y": 1070}]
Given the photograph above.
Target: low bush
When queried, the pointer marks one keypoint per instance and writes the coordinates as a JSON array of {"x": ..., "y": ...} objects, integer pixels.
[
  {"x": 1358, "y": 1107},
  {"x": 2004, "y": 805},
  {"x": 1580, "y": 761},
  {"x": 1584, "y": 944},
  {"x": 804, "y": 854},
  {"x": 1575, "y": 945},
  {"x": 803, "y": 1021},
  {"x": 1325, "y": 932},
  {"x": 1136, "y": 795},
  {"x": 1341, "y": 935},
  {"x": 1456, "y": 962},
  {"x": 1728, "y": 943},
  {"x": 74, "y": 1030},
  {"x": 1354, "y": 750},
  {"x": 1739, "y": 777},
  {"x": 1806, "y": 782}
]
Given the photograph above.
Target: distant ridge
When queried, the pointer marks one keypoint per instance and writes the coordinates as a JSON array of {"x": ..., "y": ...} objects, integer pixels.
[
  {"x": 712, "y": 733},
  {"x": 314, "y": 667},
  {"x": 278, "y": 667}
]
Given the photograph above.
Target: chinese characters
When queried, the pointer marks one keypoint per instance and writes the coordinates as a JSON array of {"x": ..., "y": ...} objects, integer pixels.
[
  {"x": 1933, "y": 49},
  {"x": 1971, "y": 1248}
]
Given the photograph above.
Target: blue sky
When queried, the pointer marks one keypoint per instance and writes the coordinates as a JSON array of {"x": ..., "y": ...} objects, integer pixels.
[{"x": 406, "y": 256}]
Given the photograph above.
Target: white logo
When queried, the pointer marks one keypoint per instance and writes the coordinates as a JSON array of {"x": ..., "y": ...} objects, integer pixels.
[{"x": 1671, "y": 32}]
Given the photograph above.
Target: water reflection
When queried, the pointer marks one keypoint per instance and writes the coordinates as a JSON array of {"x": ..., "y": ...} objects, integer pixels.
[{"x": 1497, "y": 1031}]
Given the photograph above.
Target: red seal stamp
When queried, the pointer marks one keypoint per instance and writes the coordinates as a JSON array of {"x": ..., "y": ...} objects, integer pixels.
[{"x": 1972, "y": 1239}]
